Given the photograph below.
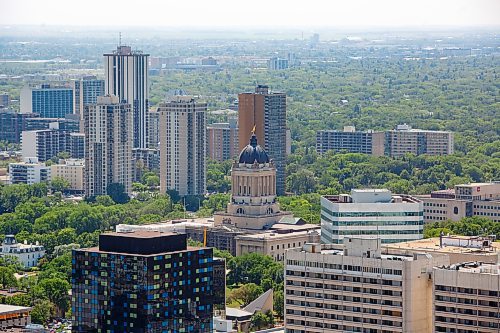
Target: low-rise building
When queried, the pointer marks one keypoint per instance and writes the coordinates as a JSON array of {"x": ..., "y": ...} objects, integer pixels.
[
  {"x": 49, "y": 143},
  {"x": 403, "y": 139},
  {"x": 274, "y": 243},
  {"x": 12, "y": 316},
  {"x": 465, "y": 200},
  {"x": 466, "y": 298},
  {"x": 350, "y": 140},
  {"x": 72, "y": 171},
  {"x": 369, "y": 213},
  {"x": 26, "y": 254},
  {"x": 30, "y": 172},
  {"x": 355, "y": 287}
]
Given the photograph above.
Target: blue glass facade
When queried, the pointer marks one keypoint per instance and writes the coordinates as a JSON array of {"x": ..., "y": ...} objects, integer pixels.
[
  {"x": 121, "y": 292},
  {"x": 52, "y": 102}
]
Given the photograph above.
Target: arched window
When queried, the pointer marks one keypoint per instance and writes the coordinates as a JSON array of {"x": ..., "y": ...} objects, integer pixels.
[
  {"x": 455, "y": 210},
  {"x": 270, "y": 210},
  {"x": 240, "y": 211}
]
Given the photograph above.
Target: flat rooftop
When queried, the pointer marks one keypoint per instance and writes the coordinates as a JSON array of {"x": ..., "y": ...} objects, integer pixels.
[
  {"x": 338, "y": 250},
  {"x": 143, "y": 234},
  {"x": 474, "y": 267},
  {"x": 402, "y": 198},
  {"x": 432, "y": 244},
  {"x": 477, "y": 184},
  {"x": 141, "y": 242},
  {"x": 267, "y": 235},
  {"x": 5, "y": 309}
]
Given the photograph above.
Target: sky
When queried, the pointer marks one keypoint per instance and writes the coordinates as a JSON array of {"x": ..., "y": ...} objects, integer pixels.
[{"x": 252, "y": 13}]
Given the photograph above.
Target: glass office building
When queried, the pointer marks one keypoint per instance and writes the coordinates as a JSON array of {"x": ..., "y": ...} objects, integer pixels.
[{"x": 142, "y": 281}]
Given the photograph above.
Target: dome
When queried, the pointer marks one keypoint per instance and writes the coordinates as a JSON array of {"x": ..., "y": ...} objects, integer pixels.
[{"x": 253, "y": 153}]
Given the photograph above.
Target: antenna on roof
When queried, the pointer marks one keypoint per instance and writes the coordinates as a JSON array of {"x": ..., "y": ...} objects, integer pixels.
[{"x": 120, "y": 39}]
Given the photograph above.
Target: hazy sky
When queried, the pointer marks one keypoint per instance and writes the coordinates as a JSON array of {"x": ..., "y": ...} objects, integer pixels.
[{"x": 255, "y": 13}]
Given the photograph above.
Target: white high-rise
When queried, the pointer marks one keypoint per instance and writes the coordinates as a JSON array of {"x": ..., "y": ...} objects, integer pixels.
[
  {"x": 126, "y": 76},
  {"x": 108, "y": 145},
  {"x": 183, "y": 146}
]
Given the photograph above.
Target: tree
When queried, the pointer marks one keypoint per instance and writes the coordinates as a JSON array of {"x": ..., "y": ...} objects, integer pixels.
[
  {"x": 139, "y": 187},
  {"x": 251, "y": 268},
  {"x": 59, "y": 184},
  {"x": 7, "y": 278},
  {"x": 174, "y": 195},
  {"x": 117, "y": 192},
  {"x": 278, "y": 302},
  {"x": 42, "y": 311},
  {"x": 56, "y": 291},
  {"x": 86, "y": 219},
  {"x": 152, "y": 181},
  {"x": 303, "y": 181},
  {"x": 245, "y": 294},
  {"x": 104, "y": 200},
  {"x": 260, "y": 320},
  {"x": 11, "y": 196}
]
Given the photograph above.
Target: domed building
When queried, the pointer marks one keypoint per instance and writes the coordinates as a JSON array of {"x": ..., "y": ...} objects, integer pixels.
[{"x": 253, "y": 197}]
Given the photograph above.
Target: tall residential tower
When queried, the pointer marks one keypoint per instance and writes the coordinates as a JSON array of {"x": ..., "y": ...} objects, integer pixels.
[
  {"x": 183, "y": 146},
  {"x": 266, "y": 112},
  {"x": 108, "y": 145},
  {"x": 85, "y": 91},
  {"x": 126, "y": 74}
]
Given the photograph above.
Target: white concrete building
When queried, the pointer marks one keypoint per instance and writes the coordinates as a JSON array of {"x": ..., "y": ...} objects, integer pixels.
[
  {"x": 126, "y": 76},
  {"x": 357, "y": 287},
  {"x": 27, "y": 254},
  {"x": 371, "y": 212},
  {"x": 30, "y": 172}
]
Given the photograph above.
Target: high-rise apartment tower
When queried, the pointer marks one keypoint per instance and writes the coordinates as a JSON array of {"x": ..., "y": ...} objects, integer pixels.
[
  {"x": 126, "y": 76},
  {"x": 108, "y": 145},
  {"x": 183, "y": 146},
  {"x": 266, "y": 112}
]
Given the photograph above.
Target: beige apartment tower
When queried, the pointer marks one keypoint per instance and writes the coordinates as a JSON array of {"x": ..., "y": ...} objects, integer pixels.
[
  {"x": 182, "y": 127},
  {"x": 108, "y": 145},
  {"x": 222, "y": 140},
  {"x": 405, "y": 139},
  {"x": 356, "y": 288},
  {"x": 467, "y": 298}
]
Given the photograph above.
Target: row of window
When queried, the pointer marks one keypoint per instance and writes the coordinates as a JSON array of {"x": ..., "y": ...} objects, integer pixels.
[
  {"x": 371, "y": 214},
  {"x": 471, "y": 291},
  {"x": 340, "y": 267}
]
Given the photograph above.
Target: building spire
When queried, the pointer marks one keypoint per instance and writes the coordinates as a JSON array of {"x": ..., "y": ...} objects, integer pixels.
[{"x": 120, "y": 38}]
